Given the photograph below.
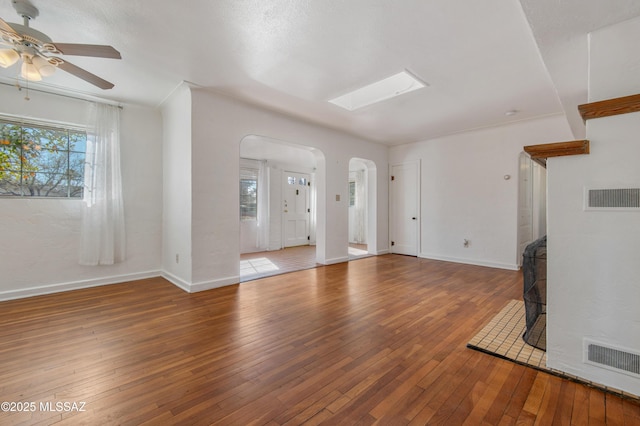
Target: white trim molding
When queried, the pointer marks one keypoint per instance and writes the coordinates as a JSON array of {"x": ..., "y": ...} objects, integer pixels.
[
  {"x": 200, "y": 286},
  {"x": 75, "y": 285},
  {"x": 336, "y": 260},
  {"x": 509, "y": 266}
]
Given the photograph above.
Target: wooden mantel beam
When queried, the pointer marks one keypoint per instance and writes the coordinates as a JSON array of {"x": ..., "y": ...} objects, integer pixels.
[
  {"x": 540, "y": 153},
  {"x": 610, "y": 107}
]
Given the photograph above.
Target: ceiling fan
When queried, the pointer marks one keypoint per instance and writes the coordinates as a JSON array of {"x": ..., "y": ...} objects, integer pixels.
[{"x": 35, "y": 50}]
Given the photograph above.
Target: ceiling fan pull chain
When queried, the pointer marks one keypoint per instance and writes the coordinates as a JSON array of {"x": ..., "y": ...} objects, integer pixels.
[{"x": 26, "y": 95}]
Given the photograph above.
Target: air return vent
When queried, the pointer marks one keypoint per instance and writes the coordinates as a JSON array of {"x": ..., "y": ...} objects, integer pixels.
[
  {"x": 613, "y": 199},
  {"x": 617, "y": 359}
]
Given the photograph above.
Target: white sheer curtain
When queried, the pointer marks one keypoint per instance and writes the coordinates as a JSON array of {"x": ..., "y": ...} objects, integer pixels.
[
  {"x": 360, "y": 233},
  {"x": 102, "y": 234},
  {"x": 262, "y": 237}
]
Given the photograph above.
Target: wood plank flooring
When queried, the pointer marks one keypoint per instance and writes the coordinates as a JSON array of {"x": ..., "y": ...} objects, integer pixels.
[
  {"x": 276, "y": 262},
  {"x": 377, "y": 340},
  {"x": 268, "y": 263}
]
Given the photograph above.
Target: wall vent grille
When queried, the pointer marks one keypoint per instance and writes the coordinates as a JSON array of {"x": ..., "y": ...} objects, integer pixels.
[
  {"x": 617, "y": 359},
  {"x": 620, "y": 198}
]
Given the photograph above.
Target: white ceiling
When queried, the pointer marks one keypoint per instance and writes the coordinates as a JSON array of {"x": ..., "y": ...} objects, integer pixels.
[
  {"x": 560, "y": 29},
  {"x": 480, "y": 58}
]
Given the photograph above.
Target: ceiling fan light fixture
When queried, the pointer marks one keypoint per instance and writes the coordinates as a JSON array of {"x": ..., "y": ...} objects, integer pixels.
[
  {"x": 35, "y": 48},
  {"x": 43, "y": 66},
  {"x": 29, "y": 70},
  {"x": 8, "y": 57}
]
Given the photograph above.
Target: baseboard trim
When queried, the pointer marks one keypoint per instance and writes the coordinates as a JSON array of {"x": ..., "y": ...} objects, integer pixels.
[
  {"x": 381, "y": 252},
  {"x": 497, "y": 265},
  {"x": 336, "y": 260},
  {"x": 178, "y": 282},
  {"x": 208, "y": 285},
  {"x": 75, "y": 285},
  {"x": 201, "y": 286}
]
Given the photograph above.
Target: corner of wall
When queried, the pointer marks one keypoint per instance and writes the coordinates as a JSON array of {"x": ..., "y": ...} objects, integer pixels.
[{"x": 200, "y": 286}]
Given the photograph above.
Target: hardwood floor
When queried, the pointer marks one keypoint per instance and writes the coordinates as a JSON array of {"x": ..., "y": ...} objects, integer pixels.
[
  {"x": 377, "y": 340},
  {"x": 268, "y": 263},
  {"x": 258, "y": 265}
]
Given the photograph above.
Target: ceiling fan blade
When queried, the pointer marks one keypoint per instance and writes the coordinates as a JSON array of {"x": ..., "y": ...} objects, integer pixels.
[
  {"x": 95, "y": 50},
  {"x": 8, "y": 31},
  {"x": 85, "y": 75}
]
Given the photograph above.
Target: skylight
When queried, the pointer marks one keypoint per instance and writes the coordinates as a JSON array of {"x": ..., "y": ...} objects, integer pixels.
[{"x": 390, "y": 87}]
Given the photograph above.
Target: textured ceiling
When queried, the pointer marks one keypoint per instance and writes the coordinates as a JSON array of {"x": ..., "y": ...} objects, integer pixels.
[
  {"x": 480, "y": 59},
  {"x": 560, "y": 29}
]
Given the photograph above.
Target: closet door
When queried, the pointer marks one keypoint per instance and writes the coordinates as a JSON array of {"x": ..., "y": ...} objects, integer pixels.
[{"x": 404, "y": 211}]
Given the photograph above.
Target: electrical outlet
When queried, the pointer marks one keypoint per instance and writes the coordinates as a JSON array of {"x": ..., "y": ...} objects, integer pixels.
[{"x": 177, "y": 258}]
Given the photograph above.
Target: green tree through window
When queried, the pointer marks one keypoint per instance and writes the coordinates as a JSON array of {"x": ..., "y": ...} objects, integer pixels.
[
  {"x": 41, "y": 161},
  {"x": 248, "y": 199}
]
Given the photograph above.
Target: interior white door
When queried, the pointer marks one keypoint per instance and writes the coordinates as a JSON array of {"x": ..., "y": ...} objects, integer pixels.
[
  {"x": 404, "y": 194},
  {"x": 296, "y": 211}
]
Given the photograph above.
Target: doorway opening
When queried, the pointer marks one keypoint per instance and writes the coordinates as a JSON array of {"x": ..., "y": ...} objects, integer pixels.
[
  {"x": 362, "y": 202},
  {"x": 532, "y": 203},
  {"x": 278, "y": 199}
]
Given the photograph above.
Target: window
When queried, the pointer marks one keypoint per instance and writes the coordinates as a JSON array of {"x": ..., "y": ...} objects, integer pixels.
[
  {"x": 248, "y": 194},
  {"x": 352, "y": 193},
  {"x": 41, "y": 160}
]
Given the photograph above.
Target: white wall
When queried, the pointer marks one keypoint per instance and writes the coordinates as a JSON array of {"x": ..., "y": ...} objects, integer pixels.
[
  {"x": 40, "y": 237},
  {"x": 218, "y": 126},
  {"x": 176, "y": 184},
  {"x": 594, "y": 256},
  {"x": 464, "y": 194}
]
